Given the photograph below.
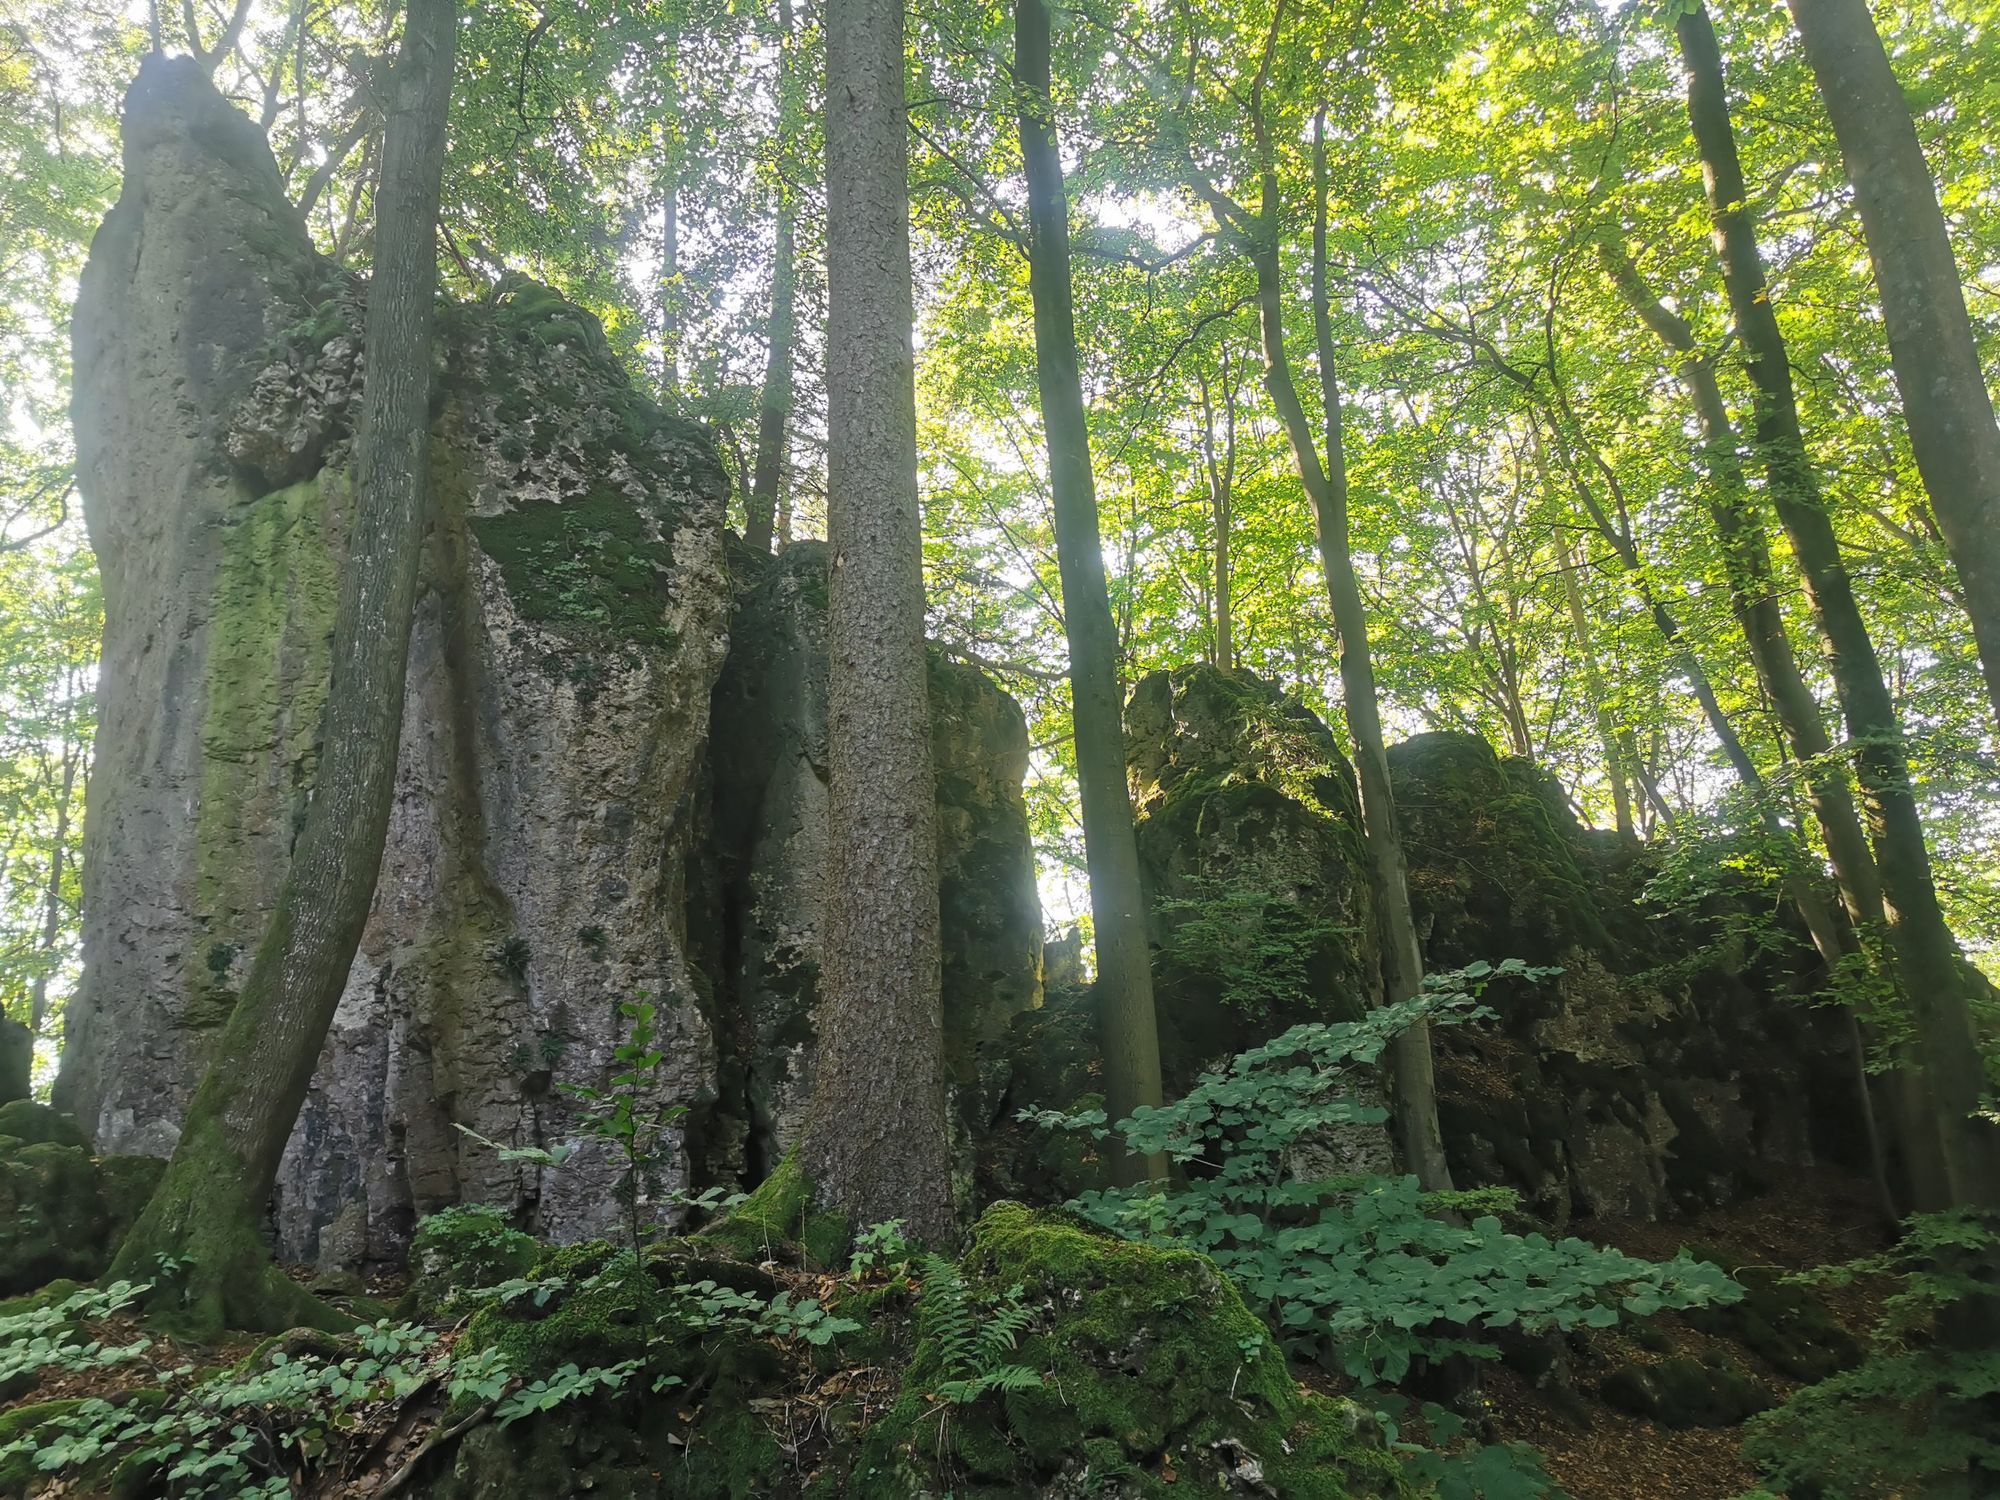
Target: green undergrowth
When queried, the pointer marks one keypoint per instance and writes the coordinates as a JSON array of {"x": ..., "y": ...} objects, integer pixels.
[
  {"x": 1049, "y": 1357},
  {"x": 1921, "y": 1413}
]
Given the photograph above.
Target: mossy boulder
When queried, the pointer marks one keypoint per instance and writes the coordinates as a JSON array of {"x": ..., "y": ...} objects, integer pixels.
[
  {"x": 1682, "y": 1391},
  {"x": 1155, "y": 1380},
  {"x": 1250, "y": 848},
  {"x": 62, "y": 1211},
  {"x": 465, "y": 1249},
  {"x": 1155, "y": 1376},
  {"x": 1785, "y": 1325},
  {"x": 34, "y": 1124}
]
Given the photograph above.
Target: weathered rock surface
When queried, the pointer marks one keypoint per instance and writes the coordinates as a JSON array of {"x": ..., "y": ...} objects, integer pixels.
[
  {"x": 62, "y": 1211},
  {"x": 769, "y": 840},
  {"x": 559, "y": 842},
  {"x": 1664, "y": 1067},
  {"x": 1249, "y": 825},
  {"x": 1668, "y": 1064},
  {"x": 570, "y": 628}
]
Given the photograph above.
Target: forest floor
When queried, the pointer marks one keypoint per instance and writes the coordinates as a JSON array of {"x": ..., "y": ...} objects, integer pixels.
[
  {"x": 1596, "y": 1451},
  {"x": 1591, "y": 1448}
]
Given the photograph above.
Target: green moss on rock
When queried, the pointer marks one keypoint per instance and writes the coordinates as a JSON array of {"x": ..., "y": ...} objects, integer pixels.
[
  {"x": 780, "y": 1216},
  {"x": 465, "y": 1249},
  {"x": 63, "y": 1213},
  {"x": 34, "y": 1124},
  {"x": 1150, "y": 1362},
  {"x": 599, "y": 563}
]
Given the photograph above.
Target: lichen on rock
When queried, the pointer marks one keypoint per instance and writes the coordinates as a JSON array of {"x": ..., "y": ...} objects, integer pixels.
[{"x": 555, "y": 715}]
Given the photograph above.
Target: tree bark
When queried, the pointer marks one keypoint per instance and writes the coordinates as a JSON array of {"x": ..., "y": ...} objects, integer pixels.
[
  {"x": 1402, "y": 960},
  {"x": 875, "y": 1145},
  {"x": 1945, "y": 400},
  {"x": 670, "y": 217},
  {"x": 74, "y": 751},
  {"x": 774, "y": 406},
  {"x": 1753, "y": 600},
  {"x": 1593, "y": 683},
  {"x": 1127, "y": 1033},
  {"x": 1932, "y": 975},
  {"x": 209, "y": 1206},
  {"x": 1221, "y": 472}
]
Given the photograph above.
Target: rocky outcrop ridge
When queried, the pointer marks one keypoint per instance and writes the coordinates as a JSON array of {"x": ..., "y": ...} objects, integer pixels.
[
  {"x": 570, "y": 627},
  {"x": 564, "y": 838}
]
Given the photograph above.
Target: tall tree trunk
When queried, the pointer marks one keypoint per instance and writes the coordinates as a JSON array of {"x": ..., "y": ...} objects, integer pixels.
[
  {"x": 1945, "y": 400},
  {"x": 1593, "y": 683},
  {"x": 774, "y": 406},
  {"x": 1403, "y": 961},
  {"x": 670, "y": 216},
  {"x": 1754, "y": 601},
  {"x": 209, "y": 1206},
  {"x": 38, "y": 994},
  {"x": 876, "y": 1144},
  {"x": 1221, "y": 471},
  {"x": 1931, "y": 971},
  {"x": 1127, "y": 1033}
]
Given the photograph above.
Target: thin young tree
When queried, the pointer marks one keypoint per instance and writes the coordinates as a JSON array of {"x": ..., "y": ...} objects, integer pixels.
[
  {"x": 774, "y": 404},
  {"x": 1946, "y": 404},
  {"x": 1933, "y": 975},
  {"x": 1258, "y": 234},
  {"x": 208, "y": 1209},
  {"x": 1127, "y": 1032},
  {"x": 876, "y": 1144},
  {"x": 1753, "y": 593}
]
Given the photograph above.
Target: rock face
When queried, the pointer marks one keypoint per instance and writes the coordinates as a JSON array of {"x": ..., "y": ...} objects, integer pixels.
[
  {"x": 1256, "y": 875},
  {"x": 1668, "y": 1065},
  {"x": 563, "y": 838},
  {"x": 571, "y": 624},
  {"x": 62, "y": 1211},
  {"x": 1662, "y": 1068},
  {"x": 769, "y": 843}
]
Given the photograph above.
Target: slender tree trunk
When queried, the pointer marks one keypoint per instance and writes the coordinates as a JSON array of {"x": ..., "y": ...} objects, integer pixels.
[
  {"x": 670, "y": 218},
  {"x": 774, "y": 407},
  {"x": 876, "y": 1143},
  {"x": 1403, "y": 961},
  {"x": 38, "y": 997},
  {"x": 1221, "y": 472},
  {"x": 1127, "y": 1033},
  {"x": 209, "y": 1206},
  {"x": 1933, "y": 978},
  {"x": 1945, "y": 400},
  {"x": 1753, "y": 599},
  {"x": 1593, "y": 683}
]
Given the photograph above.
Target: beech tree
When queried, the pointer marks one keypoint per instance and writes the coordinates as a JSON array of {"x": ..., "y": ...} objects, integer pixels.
[
  {"x": 1128, "y": 1033},
  {"x": 1945, "y": 400},
  {"x": 208, "y": 1208},
  {"x": 1933, "y": 978},
  {"x": 876, "y": 1145}
]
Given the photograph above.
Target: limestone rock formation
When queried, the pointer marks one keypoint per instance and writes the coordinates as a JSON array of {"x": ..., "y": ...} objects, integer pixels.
[
  {"x": 62, "y": 1211},
  {"x": 1669, "y": 1064},
  {"x": 1256, "y": 875},
  {"x": 1664, "y": 1067},
  {"x": 563, "y": 839},
  {"x": 769, "y": 842},
  {"x": 570, "y": 627}
]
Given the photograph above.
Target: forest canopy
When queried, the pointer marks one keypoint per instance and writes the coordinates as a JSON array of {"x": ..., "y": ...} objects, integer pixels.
[
  {"x": 1526, "y": 469},
  {"x": 701, "y": 678}
]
